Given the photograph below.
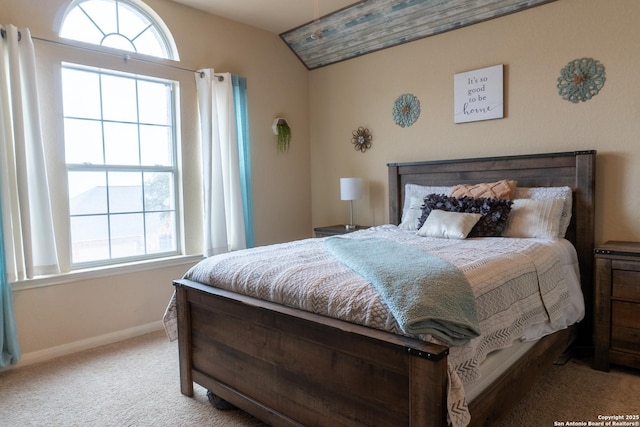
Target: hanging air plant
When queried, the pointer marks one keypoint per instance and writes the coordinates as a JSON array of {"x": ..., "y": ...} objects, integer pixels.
[{"x": 283, "y": 132}]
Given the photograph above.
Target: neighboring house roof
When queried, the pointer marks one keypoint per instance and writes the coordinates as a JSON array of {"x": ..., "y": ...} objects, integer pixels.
[{"x": 122, "y": 198}]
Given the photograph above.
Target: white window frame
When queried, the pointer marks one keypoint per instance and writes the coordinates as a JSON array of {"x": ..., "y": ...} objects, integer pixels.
[{"x": 111, "y": 168}]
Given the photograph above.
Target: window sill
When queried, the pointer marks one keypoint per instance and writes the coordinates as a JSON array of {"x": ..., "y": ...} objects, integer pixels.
[{"x": 99, "y": 272}]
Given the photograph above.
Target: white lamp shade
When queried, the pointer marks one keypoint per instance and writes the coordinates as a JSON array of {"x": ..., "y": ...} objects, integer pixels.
[{"x": 350, "y": 188}]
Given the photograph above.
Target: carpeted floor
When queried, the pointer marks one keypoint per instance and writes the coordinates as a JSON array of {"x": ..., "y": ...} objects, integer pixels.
[
  {"x": 575, "y": 393},
  {"x": 131, "y": 383},
  {"x": 136, "y": 383}
]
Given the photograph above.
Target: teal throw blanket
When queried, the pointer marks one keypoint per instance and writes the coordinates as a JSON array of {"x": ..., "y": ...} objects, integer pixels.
[{"x": 426, "y": 294}]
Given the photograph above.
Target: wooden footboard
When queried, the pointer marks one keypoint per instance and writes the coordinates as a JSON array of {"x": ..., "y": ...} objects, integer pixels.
[{"x": 289, "y": 367}]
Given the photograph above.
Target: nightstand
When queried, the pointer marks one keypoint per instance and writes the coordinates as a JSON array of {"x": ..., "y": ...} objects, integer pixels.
[
  {"x": 333, "y": 230},
  {"x": 617, "y": 305}
]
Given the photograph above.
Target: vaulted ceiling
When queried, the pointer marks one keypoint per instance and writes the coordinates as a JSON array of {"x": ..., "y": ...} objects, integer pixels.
[
  {"x": 323, "y": 32},
  {"x": 276, "y": 16}
]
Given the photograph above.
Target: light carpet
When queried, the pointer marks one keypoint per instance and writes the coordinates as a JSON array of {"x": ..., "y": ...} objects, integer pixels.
[{"x": 136, "y": 383}]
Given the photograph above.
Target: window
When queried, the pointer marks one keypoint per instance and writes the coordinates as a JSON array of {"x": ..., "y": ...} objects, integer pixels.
[
  {"x": 119, "y": 149},
  {"x": 120, "y": 139},
  {"x": 118, "y": 24}
]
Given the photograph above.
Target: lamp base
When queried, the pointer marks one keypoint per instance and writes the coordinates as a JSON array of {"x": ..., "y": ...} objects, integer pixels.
[{"x": 350, "y": 226}]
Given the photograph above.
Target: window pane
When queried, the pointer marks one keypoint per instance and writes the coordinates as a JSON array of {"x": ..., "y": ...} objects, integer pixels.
[
  {"x": 117, "y": 41},
  {"x": 121, "y": 144},
  {"x": 151, "y": 43},
  {"x": 119, "y": 101},
  {"x": 158, "y": 191},
  {"x": 127, "y": 235},
  {"x": 132, "y": 23},
  {"x": 77, "y": 26},
  {"x": 89, "y": 238},
  {"x": 83, "y": 141},
  {"x": 160, "y": 232},
  {"x": 155, "y": 108},
  {"x": 156, "y": 144},
  {"x": 125, "y": 192},
  {"x": 87, "y": 193},
  {"x": 80, "y": 94},
  {"x": 103, "y": 13}
]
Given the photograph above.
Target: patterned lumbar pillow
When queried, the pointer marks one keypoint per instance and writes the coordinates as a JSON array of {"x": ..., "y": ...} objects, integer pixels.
[{"x": 503, "y": 189}]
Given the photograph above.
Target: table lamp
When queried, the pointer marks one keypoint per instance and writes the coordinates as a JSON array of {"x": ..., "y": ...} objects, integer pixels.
[{"x": 350, "y": 189}]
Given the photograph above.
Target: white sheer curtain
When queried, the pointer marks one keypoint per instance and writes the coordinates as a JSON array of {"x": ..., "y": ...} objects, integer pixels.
[
  {"x": 29, "y": 240},
  {"x": 223, "y": 210}
]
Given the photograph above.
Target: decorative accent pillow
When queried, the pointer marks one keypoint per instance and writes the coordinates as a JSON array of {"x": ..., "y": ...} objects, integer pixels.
[
  {"x": 534, "y": 218},
  {"x": 503, "y": 189},
  {"x": 541, "y": 193},
  {"x": 494, "y": 212},
  {"x": 448, "y": 225}
]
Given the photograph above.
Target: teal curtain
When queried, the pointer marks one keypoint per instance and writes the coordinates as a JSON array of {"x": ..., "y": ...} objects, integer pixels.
[
  {"x": 9, "y": 346},
  {"x": 242, "y": 123}
]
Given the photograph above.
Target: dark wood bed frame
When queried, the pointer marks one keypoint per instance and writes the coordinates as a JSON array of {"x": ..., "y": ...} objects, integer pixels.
[{"x": 290, "y": 367}]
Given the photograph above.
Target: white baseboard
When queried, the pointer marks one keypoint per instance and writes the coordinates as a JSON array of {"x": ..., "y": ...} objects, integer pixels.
[{"x": 86, "y": 344}]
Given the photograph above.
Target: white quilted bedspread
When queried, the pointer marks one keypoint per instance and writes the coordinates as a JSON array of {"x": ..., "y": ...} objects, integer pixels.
[{"x": 517, "y": 283}]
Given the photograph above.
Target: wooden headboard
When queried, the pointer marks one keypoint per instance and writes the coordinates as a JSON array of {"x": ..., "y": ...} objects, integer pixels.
[{"x": 573, "y": 169}]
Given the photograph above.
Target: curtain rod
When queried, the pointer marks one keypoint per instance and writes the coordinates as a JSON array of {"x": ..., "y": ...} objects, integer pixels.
[{"x": 126, "y": 57}]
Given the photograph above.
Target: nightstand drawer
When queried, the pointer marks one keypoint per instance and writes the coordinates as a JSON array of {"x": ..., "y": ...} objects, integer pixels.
[
  {"x": 625, "y": 264},
  {"x": 625, "y": 338},
  {"x": 626, "y": 284},
  {"x": 625, "y": 314}
]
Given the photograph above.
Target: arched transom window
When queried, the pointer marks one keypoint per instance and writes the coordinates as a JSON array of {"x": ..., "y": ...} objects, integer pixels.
[{"x": 119, "y": 24}]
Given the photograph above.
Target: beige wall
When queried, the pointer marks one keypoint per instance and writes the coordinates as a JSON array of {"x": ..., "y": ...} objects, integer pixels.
[
  {"x": 534, "y": 45},
  {"x": 84, "y": 310},
  {"x": 324, "y": 106}
]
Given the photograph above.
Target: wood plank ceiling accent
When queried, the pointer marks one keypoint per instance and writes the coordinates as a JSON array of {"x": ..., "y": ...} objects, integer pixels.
[{"x": 372, "y": 25}]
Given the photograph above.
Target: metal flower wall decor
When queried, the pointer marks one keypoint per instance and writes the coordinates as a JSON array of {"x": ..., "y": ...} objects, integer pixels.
[
  {"x": 581, "y": 80},
  {"x": 406, "y": 110},
  {"x": 361, "y": 139}
]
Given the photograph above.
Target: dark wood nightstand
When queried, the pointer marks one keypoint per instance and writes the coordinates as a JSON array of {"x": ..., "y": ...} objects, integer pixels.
[
  {"x": 333, "y": 230},
  {"x": 617, "y": 305}
]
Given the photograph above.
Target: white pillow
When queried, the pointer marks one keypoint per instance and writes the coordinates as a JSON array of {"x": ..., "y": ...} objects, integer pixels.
[
  {"x": 411, "y": 215},
  {"x": 534, "y": 218},
  {"x": 542, "y": 193},
  {"x": 448, "y": 225},
  {"x": 420, "y": 192}
]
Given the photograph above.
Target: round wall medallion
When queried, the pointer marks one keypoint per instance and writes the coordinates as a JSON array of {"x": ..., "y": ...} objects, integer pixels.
[
  {"x": 406, "y": 110},
  {"x": 361, "y": 139},
  {"x": 581, "y": 80}
]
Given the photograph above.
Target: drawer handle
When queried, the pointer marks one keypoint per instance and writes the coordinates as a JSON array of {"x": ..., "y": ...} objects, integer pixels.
[{"x": 603, "y": 251}]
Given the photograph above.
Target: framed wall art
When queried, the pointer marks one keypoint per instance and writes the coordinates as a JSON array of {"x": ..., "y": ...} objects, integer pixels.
[{"x": 478, "y": 95}]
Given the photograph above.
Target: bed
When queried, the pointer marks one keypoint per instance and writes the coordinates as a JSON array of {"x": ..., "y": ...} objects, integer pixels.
[{"x": 292, "y": 366}]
